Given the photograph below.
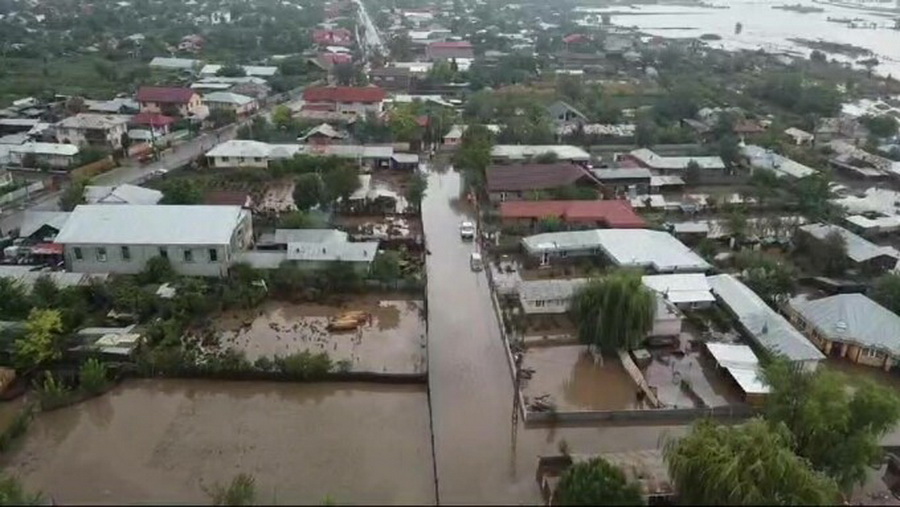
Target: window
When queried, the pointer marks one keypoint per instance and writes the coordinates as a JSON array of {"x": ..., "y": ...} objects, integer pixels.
[
  {"x": 539, "y": 303},
  {"x": 163, "y": 252},
  {"x": 502, "y": 196},
  {"x": 213, "y": 255},
  {"x": 101, "y": 254},
  {"x": 873, "y": 353},
  {"x": 225, "y": 159},
  {"x": 79, "y": 255},
  {"x": 188, "y": 255},
  {"x": 126, "y": 253}
]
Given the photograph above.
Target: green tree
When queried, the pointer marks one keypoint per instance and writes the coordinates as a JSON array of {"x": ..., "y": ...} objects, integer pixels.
[
  {"x": 14, "y": 302},
  {"x": 295, "y": 220},
  {"x": 220, "y": 117},
  {"x": 341, "y": 277},
  {"x": 771, "y": 280},
  {"x": 887, "y": 292},
  {"x": 158, "y": 269},
  {"x": 340, "y": 182},
  {"x": 749, "y": 464},
  {"x": 44, "y": 292},
  {"x": 92, "y": 376},
  {"x": 241, "y": 491},
  {"x": 42, "y": 341},
  {"x": 231, "y": 70},
  {"x": 692, "y": 173},
  {"x": 813, "y": 194},
  {"x": 293, "y": 66},
  {"x": 73, "y": 195},
  {"x": 308, "y": 192},
  {"x": 415, "y": 190},
  {"x": 596, "y": 482},
  {"x": 344, "y": 73},
  {"x": 837, "y": 429},
  {"x": 386, "y": 266},
  {"x": 729, "y": 150},
  {"x": 282, "y": 117},
  {"x": 827, "y": 255},
  {"x": 181, "y": 191},
  {"x": 474, "y": 154},
  {"x": 646, "y": 133},
  {"x": 403, "y": 125},
  {"x": 614, "y": 312},
  {"x": 737, "y": 225},
  {"x": 13, "y": 493},
  {"x": 881, "y": 126}
]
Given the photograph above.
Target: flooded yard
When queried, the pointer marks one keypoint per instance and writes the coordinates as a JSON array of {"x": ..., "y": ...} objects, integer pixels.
[
  {"x": 162, "y": 441},
  {"x": 574, "y": 382},
  {"x": 390, "y": 340},
  {"x": 688, "y": 380}
]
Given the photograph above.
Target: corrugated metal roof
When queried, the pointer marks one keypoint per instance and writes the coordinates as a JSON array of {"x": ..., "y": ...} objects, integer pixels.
[
  {"x": 852, "y": 318},
  {"x": 285, "y": 236},
  {"x": 519, "y": 177},
  {"x": 626, "y": 247},
  {"x": 34, "y": 220},
  {"x": 544, "y": 290},
  {"x": 122, "y": 194},
  {"x": 522, "y": 151},
  {"x": 765, "y": 325},
  {"x": 732, "y": 355},
  {"x": 348, "y": 252},
  {"x": 681, "y": 287},
  {"x": 859, "y": 249},
  {"x": 654, "y": 161},
  {"x": 128, "y": 224}
]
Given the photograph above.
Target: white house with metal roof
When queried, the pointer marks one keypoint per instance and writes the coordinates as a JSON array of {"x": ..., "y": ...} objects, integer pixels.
[
  {"x": 53, "y": 154},
  {"x": 767, "y": 160},
  {"x": 759, "y": 322},
  {"x": 246, "y": 153},
  {"x": 647, "y": 158},
  {"x": 197, "y": 240},
  {"x": 87, "y": 129},
  {"x": 241, "y": 105},
  {"x": 656, "y": 251},
  {"x": 684, "y": 290},
  {"x": 850, "y": 326},
  {"x": 520, "y": 152}
]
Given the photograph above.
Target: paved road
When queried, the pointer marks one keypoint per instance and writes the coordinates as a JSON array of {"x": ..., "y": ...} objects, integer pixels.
[
  {"x": 480, "y": 457},
  {"x": 371, "y": 39}
]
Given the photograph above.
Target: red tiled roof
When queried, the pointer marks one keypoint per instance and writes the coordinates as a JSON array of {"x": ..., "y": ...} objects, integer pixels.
[
  {"x": 451, "y": 44},
  {"x": 165, "y": 95},
  {"x": 575, "y": 37},
  {"x": 317, "y": 107},
  {"x": 152, "y": 119},
  {"x": 335, "y": 58},
  {"x": 614, "y": 213},
  {"x": 519, "y": 177},
  {"x": 336, "y": 36},
  {"x": 343, "y": 94}
]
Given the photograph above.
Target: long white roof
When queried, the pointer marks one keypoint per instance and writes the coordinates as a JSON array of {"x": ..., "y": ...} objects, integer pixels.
[
  {"x": 681, "y": 287},
  {"x": 522, "y": 151},
  {"x": 228, "y": 98},
  {"x": 626, "y": 247},
  {"x": 98, "y": 224},
  {"x": 654, "y": 161},
  {"x": 65, "y": 150}
]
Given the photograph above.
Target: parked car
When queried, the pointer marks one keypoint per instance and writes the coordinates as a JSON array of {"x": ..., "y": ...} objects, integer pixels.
[
  {"x": 467, "y": 230},
  {"x": 475, "y": 262}
]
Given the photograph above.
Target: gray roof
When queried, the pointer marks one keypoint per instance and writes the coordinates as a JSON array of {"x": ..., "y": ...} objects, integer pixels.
[
  {"x": 174, "y": 63},
  {"x": 26, "y": 276},
  {"x": 654, "y": 161},
  {"x": 34, "y": 220},
  {"x": 761, "y": 158},
  {"x": 622, "y": 174},
  {"x": 544, "y": 290},
  {"x": 285, "y": 236},
  {"x": 129, "y": 224},
  {"x": 626, "y": 247},
  {"x": 858, "y": 249},
  {"x": 766, "y": 326},
  {"x": 122, "y": 194},
  {"x": 348, "y": 252},
  {"x": 852, "y": 318},
  {"x": 522, "y": 151},
  {"x": 559, "y": 107}
]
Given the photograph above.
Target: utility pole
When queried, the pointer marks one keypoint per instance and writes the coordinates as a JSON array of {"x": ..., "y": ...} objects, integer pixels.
[{"x": 517, "y": 383}]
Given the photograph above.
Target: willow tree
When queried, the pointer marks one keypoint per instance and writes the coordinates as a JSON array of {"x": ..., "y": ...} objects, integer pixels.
[
  {"x": 614, "y": 312},
  {"x": 749, "y": 464},
  {"x": 597, "y": 482}
]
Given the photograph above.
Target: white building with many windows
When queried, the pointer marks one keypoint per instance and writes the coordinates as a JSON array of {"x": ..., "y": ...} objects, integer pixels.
[{"x": 197, "y": 240}]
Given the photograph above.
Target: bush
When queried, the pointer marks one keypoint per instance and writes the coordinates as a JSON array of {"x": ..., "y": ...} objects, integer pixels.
[
  {"x": 304, "y": 365},
  {"x": 52, "y": 393},
  {"x": 93, "y": 377},
  {"x": 17, "y": 427}
]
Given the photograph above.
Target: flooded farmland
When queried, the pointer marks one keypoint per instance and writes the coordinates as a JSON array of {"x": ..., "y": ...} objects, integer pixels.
[
  {"x": 392, "y": 339},
  {"x": 162, "y": 441}
]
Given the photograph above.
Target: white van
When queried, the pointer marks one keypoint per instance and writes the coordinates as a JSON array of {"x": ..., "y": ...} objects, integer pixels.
[{"x": 475, "y": 262}]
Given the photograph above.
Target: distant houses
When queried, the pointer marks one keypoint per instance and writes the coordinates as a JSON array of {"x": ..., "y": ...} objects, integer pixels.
[{"x": 170, "y": 101}]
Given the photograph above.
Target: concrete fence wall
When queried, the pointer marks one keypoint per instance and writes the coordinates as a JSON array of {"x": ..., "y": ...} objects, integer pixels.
[
  {"x": 21, "y": 193},
  {"x": 652, "y": 415}
]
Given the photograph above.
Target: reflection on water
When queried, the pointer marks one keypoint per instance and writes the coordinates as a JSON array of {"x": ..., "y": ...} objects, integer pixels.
[
  {"x": 160, "y": 440},
  {"x": 392, "y": 340}
]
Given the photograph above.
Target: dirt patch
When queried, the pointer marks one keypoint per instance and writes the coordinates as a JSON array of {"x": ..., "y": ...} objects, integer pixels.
[{"x": 390, "y": 340}]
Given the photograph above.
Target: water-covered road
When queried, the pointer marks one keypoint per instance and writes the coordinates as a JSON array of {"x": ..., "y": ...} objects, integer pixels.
[{"x": 480, "y": 458}]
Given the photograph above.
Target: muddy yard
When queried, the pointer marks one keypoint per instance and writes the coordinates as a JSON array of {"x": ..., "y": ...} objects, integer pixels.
[{"x": 390, "y": 339}]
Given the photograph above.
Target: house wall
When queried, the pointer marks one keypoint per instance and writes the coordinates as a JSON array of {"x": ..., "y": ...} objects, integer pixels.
[
  {"x": 224, "y": 162},
  {"x": 243, "y": 110},
  {"x": 361, "y": 268},
  {"x": 669, "y": 325},
  {"x": 199, "y": 265},
  {"x": 112, "y": 138},
  {"x": 183, "y": 109},
  {"x": 59, "y": 161}
]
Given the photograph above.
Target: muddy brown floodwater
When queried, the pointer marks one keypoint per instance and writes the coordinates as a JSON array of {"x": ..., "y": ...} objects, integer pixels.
[
  {"x": 160, "y": 441},
  {"x": 392, "y": 341}
]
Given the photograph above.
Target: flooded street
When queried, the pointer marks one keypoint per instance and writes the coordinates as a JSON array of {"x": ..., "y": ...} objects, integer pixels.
[
  {"x": 391, "y": 340},
  {"x": 160, "y": 441},
  {"x": 481, "y": 457}
]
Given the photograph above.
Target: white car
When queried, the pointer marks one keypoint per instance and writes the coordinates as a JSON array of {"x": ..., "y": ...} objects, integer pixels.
[
  {"x": 475, "y": 262},
  {"x": 467, "y": 230}
]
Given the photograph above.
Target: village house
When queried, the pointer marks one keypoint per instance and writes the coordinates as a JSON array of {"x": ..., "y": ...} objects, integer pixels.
[
  {"x": 800, "y": 137},
  {"x": 156, "y": 124},
  {"x": 863, "y": 254},
  {"x": 322, "y": 134},
  {"x": 687, "y": 291},
  {"x": 313, "y": 249},
  {"x": 625, "y": 180},
  {"x": 345, "y": 100},
  {"x": 763, "y": 325},
  {"x": 503, "y": 153},
  {"x": 674, "y": 165},
  {"x": 520, "y": 181},
  {"x": 197, "y": 240},
  {"x": 767, "y": 160},
  {"x": 246, "y": 153},
  {"x": 615, "y": 214},
  {"x": 392, "y": 79},
  {"x": 333, "y": 37},
  {"x": 653, "y": 251},
  {"x": 57, "y": 156},
  {"x": 96, "y": 130},
  {"x": 259, "y": 71},
  {"x": 437, "y": 51},
  {"x": 563, "y": 114},
  {"x": 121, "y": 194},
  {"x": 850, "y": 326},
  {"x": 181, "y": 102},
  {"x": 241, "y": 105},
  {"x": 179, "y": 64}
]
